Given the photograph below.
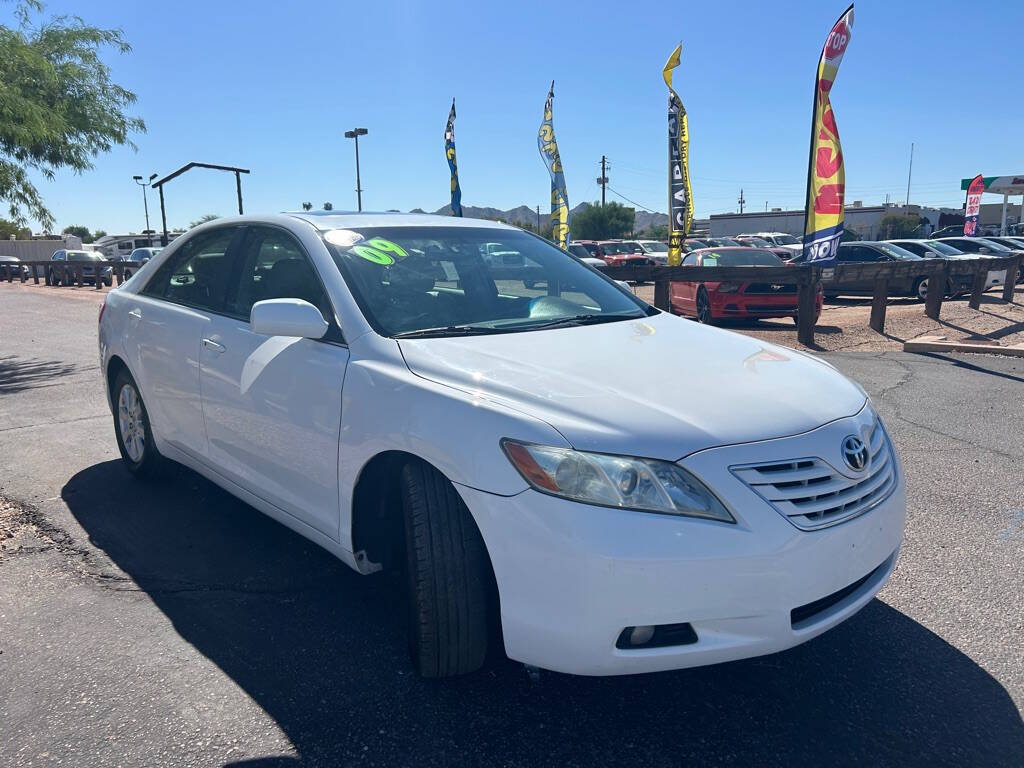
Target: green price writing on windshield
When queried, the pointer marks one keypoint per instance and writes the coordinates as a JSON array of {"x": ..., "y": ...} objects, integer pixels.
[{"x": 380, "y": 251}]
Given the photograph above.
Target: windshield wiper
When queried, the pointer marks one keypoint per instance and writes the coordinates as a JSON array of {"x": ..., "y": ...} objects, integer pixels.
[
  {"x": 566, "y": 322},
  {"x": 447, "y": 330}
]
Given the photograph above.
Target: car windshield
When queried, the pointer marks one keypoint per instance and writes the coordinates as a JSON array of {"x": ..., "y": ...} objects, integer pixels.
[
  {"x": 655, "y": 246},
  {"x": 435, "y": 281},
  {"x": 83, "y": 256},
  {"x": 944, "y": 248},
  {"x": 741, "y": 257},
  {"x": 579, "y": 251},
  {"x": 725, "y": 242},
  {"x": 974, "y": 245},
  {"x": 786, "y": 240},
  {"x": 616, "y": 248},
  {"x": 895, "y": 251}
]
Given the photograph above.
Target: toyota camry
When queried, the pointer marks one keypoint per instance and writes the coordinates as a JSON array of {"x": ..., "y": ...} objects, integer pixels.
[{"x": 561, "y": 472}]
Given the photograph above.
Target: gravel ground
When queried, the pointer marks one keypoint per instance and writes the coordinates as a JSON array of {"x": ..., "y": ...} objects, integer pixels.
[{"x": 171, "y": 624}]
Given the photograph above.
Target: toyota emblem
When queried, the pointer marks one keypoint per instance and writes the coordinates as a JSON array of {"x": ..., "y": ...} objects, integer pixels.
[{"x": 855, "y": 453}]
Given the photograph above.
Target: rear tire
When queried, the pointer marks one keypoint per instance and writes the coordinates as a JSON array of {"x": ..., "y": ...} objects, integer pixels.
[
  {"x": 131, "y": 427},
  {"x": 448, "y": 576}
]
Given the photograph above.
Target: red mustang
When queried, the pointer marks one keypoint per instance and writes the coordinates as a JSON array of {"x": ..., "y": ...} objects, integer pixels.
[{"x": 713, "y": 301}]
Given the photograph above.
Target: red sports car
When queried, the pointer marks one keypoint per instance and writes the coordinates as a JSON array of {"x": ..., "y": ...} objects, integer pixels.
[
  {"x": 711, "y": 301},
  {"x": 624, "y": 254}
]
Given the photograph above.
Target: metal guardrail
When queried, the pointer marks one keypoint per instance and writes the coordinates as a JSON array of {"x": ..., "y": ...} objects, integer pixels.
[{"x": 807, "y": 278}]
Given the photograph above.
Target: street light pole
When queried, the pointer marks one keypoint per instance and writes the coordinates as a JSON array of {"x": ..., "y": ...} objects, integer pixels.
[
  {"x": 145, "y": 204},
  {"x": 355, "y": 134}
]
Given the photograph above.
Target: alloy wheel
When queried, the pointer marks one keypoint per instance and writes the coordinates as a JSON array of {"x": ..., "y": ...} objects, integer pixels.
[
  {"x": 129, "y": 419},
  {"x": 703, "y": 308}
]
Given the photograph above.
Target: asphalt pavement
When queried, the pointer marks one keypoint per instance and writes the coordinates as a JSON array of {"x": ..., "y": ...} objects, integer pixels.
[{"x": 171, "y": 624}]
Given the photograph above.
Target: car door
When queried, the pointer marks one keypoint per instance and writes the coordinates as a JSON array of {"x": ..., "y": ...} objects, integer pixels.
[
  {"x": 683, "y": 294},
  {"x": 272, "y": 404},
  {"x": 166, "y": 320}
]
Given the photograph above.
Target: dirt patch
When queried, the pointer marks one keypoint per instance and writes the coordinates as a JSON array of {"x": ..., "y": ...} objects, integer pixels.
[
  {"x": 22, "y": 530},
  {"x": 844, "y": 323}
]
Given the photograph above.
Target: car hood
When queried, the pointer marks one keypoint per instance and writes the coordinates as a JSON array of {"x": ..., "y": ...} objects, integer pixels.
[{"x": 660, "y": 387}]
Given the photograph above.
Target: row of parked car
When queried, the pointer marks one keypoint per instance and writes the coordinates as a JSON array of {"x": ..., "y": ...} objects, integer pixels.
[
  {"x": 711, "y": 301},
  {"x": 59, "y": 272}
]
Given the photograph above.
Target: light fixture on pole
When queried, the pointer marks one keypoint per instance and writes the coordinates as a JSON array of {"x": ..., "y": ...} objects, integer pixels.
[
  {"x": 355, "y": 134},
  {"x": 138, "y": 180}
]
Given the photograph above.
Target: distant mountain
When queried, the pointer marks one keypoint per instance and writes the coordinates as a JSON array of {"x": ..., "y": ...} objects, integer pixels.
[{"x": 524, "y": 215}]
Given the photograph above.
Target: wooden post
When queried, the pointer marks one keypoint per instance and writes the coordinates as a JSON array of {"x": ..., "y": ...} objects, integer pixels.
[
  {"x": 119, "y": 271},
  {"x": 661, "y": 296},
  {"x": 78, "y": 275},
  {"x": 807, "y": 295},
  {"x": 98, "y": 272},
  {"x": 1011, "y": 278},
  {"x": 7, "y": 271},
  {"x": 21, "y": 274},
  {"x": 35, "y": 272},
  {"x": 879, "y": 303},
  {"x": 936, "y": 290},
  {"x": 980, "y": 278}
]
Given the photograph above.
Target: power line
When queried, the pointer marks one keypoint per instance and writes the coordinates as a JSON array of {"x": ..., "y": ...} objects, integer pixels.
[{"x": 634, "y": 202}]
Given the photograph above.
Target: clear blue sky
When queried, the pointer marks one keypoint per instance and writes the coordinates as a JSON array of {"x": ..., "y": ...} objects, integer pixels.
[{"x": 271, "y": 86}]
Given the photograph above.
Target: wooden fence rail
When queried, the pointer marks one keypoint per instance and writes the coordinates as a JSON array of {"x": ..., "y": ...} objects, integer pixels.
[{"x": 806, "y": 277}]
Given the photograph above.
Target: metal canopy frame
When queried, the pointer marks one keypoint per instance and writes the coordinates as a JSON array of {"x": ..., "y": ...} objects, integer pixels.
[{"x": 159, "y": 184}]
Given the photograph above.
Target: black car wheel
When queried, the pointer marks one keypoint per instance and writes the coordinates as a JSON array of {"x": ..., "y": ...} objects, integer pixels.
[
  {"x": 448, "y": 575},
  {"x": 704, "y": 314}
]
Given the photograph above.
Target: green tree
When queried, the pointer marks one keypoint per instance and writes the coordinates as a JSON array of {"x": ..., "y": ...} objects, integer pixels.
[
  {"x": 8, "y": 228},
  {"x": 658, "y": 232},
  {"x": 79, "y": 231},
  {"x": 58, "y": 106},
  {"x": 328, "y": 206},
  {"x": 203, "y": 219},
  {"x": 895, "y": 226},
  {"x": 602, "y": 222},
  {"x": 307, "y": 206},
  {"x": 98, "y": 234}
]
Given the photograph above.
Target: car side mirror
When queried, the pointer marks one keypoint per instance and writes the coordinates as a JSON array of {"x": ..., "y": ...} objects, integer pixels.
[{"x": 287, "y": 317}]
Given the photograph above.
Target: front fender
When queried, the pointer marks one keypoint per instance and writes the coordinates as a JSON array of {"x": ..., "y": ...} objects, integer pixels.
[{"x": 386, "y": 407}]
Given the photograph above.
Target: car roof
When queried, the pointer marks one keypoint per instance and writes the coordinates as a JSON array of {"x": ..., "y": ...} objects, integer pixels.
[
  {"x": 327, "y": 220},
  {"x": 728, "y": 249}
]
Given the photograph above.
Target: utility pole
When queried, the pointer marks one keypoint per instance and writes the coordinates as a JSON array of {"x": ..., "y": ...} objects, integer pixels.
[
  {"x": 538, "y": 220},
  {"x": 603, "y": 180},
  {"x": 355, "y": 134},
  {"x": 909, "y": 171},
  {"x": 741, "y": 201},
  {"x": 138, "y": 180}
]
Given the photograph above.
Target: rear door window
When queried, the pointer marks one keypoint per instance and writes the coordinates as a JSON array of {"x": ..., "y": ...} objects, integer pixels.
[{"x": 198, "y": 274}]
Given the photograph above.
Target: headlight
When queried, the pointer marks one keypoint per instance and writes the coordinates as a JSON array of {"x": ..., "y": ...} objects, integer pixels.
[{"x": 645, "y": 485}]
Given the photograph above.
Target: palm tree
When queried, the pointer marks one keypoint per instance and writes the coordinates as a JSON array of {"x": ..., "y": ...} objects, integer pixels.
[
  {"x": 307, "y": 206},
  {"x": 328, "y": 206}
]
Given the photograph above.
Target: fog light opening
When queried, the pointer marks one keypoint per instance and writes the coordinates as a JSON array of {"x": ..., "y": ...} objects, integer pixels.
[{"x": 657, "y": 636}]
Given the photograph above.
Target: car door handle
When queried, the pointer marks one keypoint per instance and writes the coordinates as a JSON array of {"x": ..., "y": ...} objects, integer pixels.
[
  {"x": 213, "y": 346},
  {"x": 135, "y": 313}
]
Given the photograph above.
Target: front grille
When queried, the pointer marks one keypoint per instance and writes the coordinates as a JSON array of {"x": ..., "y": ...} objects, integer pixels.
[
  {"x": 811, "y": 494},
  {"x": 774, "y": 288},
  {"x": 769, "y": 307}
]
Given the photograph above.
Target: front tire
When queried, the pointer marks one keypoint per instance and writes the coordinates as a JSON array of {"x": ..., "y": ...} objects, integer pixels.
[
  {"x": 448, "y": 574},
  {"x": 132, "y": 429},
  {"x": 920, "y": 289},
  {"x": 704, "y": 314}
]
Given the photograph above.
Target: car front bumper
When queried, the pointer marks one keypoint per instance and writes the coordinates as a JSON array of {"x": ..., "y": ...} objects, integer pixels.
[{"x": 571, "y": 576}]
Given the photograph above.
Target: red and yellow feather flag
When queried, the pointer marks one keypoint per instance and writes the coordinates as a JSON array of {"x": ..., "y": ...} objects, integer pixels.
[{"x": 826, "y": 176}]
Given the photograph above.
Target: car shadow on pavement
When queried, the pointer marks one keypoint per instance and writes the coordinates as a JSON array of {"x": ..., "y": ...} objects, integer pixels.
[{"x": 323, "y": 651}]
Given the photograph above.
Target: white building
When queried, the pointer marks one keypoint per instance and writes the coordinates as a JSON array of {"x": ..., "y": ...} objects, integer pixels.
[{"x": 861, "y": 219}]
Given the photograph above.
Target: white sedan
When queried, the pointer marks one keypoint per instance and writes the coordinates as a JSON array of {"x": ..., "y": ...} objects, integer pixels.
[{"x": 615, "y": 489}]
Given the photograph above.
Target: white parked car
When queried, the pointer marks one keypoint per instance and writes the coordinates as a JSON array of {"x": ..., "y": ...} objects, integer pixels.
[
  {"x": 778, "y": 240},
  {"x": 617, "y": 489}
]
